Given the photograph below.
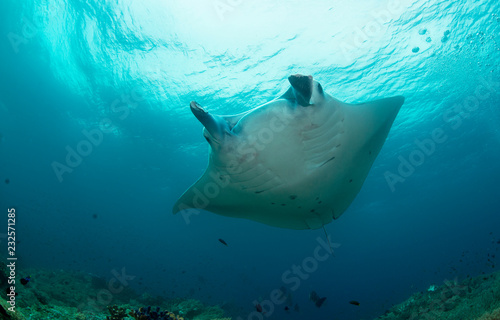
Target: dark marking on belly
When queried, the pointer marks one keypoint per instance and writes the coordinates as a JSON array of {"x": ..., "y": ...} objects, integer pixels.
[{"x": 327, "y": 161}]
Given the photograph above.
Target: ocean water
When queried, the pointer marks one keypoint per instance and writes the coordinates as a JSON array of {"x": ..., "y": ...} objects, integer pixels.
[{"x": 97, "y": 143}]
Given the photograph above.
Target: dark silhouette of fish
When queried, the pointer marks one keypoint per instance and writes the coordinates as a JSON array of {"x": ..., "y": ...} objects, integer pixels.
[
  {"x": 258, "y": 307},
  {"x": 24, "y": 281},
  {"x": 320, "y": 302},
  {"x": 296, "y": 308},
  {"x": 354, "y": 302},
  {"x": 314, "y": 297},
  {"x": 223, "y": 242},
  {"x": 285, "y": 295}
]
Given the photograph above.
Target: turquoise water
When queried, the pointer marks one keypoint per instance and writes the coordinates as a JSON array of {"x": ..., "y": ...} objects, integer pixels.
[{"x": 113, "y": 80}]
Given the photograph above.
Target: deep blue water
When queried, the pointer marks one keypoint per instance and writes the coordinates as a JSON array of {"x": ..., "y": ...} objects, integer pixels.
[{"x": 127, "y": 70}]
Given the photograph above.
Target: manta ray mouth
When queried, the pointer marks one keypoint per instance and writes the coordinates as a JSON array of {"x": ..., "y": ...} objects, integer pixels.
[{"x": 302, "y": 86}]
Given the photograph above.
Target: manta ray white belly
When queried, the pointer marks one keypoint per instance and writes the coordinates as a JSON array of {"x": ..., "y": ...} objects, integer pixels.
[{"x": 296, "y": 162}]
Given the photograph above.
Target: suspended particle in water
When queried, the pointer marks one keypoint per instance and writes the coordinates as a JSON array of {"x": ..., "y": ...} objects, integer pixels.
[{"x": 415, "y": 50}]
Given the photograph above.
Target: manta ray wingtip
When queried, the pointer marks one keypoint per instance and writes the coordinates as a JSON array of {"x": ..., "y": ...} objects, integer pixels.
[
  {"x": 175, "y": 209},
  {"x": 400, "y": 99},
  {"x": 178, "y": 207}
]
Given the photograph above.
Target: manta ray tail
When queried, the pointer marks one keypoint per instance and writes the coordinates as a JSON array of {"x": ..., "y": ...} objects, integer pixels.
[{"x": 328, "y": 240}]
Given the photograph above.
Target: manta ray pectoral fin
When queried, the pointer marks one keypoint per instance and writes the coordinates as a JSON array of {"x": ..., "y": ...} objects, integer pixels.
[
  {"x": 374, "y": 119},
  {"x": 215, "y": 125},
  {"x": 383, "y": 111}
]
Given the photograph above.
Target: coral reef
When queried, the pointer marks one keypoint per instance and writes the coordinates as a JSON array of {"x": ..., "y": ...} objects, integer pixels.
[
  {"x": 195, "y": 310},
  {"x": 117, "y": 313},
  {"x": 472, "y": 298},
  {"x": 65, "y": 295},
  {"x": 494, "y": 315},
  {"x": 72, "y": 295},
  {"x": 149, "y": 314}
]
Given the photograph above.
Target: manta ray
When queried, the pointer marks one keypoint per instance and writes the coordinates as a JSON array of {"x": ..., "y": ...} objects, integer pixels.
[{"x": 296, "y": 162}]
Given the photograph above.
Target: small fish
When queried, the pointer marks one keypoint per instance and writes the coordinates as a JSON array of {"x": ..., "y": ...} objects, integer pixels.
[
  {"x": 354, "y": 302},
  {"x": 296, "y": 308},
  {"x": 7, "y": 181},
  {"x": 223, "y": 242},
  {"x": 258, "y": 307},
  {"x": 320, "y": 302},
  {"x": 287, "y": 308},
  {"x": 314, "y": 297},
  {"x": 24, "y": 281},
  {"x": 285, "y": 296}
]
